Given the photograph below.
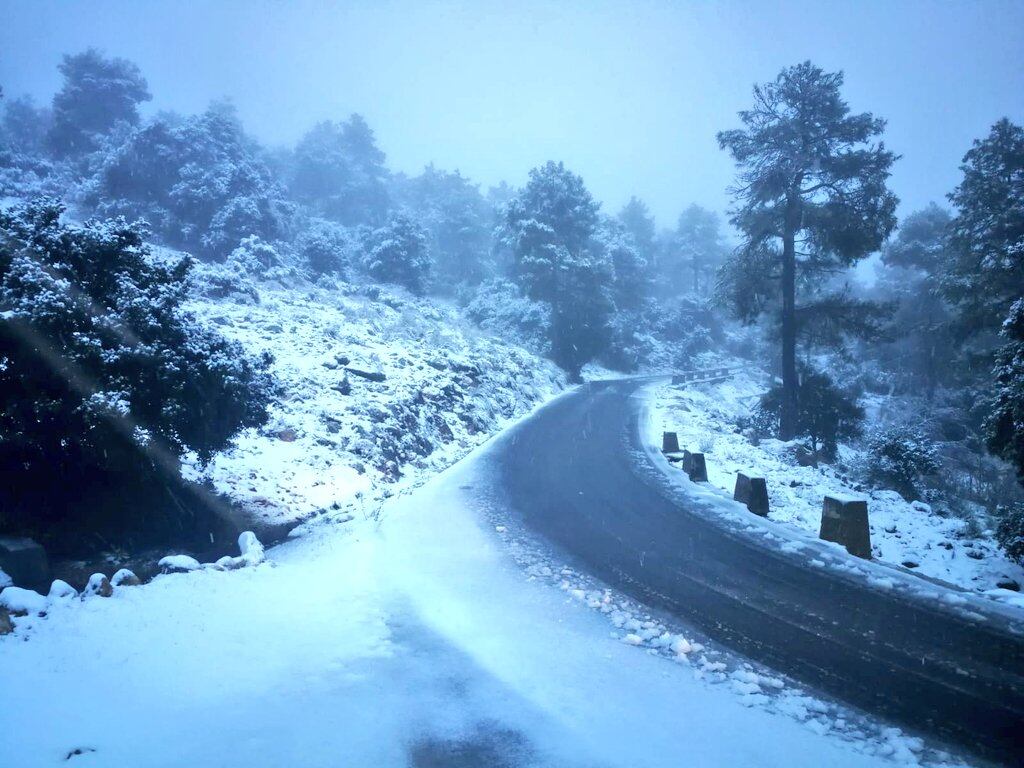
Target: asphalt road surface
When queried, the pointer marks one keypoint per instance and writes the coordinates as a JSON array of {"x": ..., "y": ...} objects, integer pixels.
[{"x": 576, "y": 475}]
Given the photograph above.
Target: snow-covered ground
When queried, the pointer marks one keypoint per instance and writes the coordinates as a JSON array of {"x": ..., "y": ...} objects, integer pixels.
[
  {"x": 903, "y": 533},
  {"x": 413, "y": 638},
  {"x": 337, "y": 442}
]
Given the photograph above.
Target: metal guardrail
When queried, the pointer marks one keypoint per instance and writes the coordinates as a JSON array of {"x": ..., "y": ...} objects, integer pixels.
[{"x": 703, "y": 375}]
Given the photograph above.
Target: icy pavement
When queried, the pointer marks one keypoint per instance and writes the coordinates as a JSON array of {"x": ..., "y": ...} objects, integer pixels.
[{"x": 416, "y": 639}]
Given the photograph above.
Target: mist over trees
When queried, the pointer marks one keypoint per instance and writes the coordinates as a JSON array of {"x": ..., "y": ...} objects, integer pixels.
[{"x": 544, "y": 265}]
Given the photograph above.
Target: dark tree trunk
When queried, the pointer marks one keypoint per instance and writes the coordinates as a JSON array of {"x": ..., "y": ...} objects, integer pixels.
[{"x": 788, "y": 417}]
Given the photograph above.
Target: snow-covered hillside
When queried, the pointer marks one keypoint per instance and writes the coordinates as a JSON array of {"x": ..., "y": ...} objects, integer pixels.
[
  {"x": 337, "y": 441},
  {"x": 903, "y": 533}
]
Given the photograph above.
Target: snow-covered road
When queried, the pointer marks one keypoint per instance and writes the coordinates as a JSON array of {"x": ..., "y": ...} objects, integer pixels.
[{"x": 416, "y": 640}]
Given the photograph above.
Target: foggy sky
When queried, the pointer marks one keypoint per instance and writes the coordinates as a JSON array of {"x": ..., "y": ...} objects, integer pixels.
[{"x": 628, "y": 94}]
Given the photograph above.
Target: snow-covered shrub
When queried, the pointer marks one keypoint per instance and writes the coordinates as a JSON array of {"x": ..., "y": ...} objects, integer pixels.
[
  {"x": 630, "y": 344},
  {"x": 254, "y": 257},
  {"x": 325, "y": 248},
  {"x": 104, "y": 380},
  {"x": 199, "y": 182},
  {"x": 500, "y": 308},
  {"x": 1010, "y": 532},
  {"x": 398, "y": 253},
  {"x": 223, "y": 281},
  {"x": 825, "y": 413},
  {"x": 900, "y": 455}
]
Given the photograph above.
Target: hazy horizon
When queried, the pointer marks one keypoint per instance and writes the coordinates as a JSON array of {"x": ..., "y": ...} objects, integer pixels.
[{"x": 630, "y": 96}]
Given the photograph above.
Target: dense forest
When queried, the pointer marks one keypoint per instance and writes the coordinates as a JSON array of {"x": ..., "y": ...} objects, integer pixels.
[{"x": 109, "y": 220}]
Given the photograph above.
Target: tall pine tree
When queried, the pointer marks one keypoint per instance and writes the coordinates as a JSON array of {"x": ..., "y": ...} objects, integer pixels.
[{"x": 811, "y": 198}]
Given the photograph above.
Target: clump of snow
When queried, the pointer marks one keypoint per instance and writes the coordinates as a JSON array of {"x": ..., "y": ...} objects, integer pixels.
[
  {"x": 251, "y": 549},
  {"x": 179, "y": 564},
  {"x": 5, "y": 580},
  {"x": 906, "y": 534},
  {"x": 61, "y": 590},
  {"x": 21, "y": 601}
]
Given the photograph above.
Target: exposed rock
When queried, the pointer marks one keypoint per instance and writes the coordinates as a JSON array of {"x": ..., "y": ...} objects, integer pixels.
[
  {"x": 61, "y": 590},
  {"x": 6, "y": 625},
  {"x": 287, "y": 435},
  {"x": 25, "y": 562},
  {"x": 909, "y": 564},
  {"x": 344, "y": 386},
  {"x": 179, "y": 564},
  {"x": 369, "y": 375},
  {"x": 1009, "y": 584},
  {"x": 125, "y": 578},
  {"x": 99, "y": 585}
]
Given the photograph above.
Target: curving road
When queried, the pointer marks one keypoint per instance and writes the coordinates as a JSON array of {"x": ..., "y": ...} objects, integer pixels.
[{"x": 577, "y": 475}]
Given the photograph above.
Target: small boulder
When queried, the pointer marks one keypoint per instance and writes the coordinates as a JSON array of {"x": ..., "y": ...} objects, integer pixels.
[
  {"x": 179, "y": 564},
  {"x": 21, "y": 602},
  {"x": 99, "y": 585},
  {"x": 229, "y": 563},
  {"x": 376, "y": 376},
  {"x": 909, "y": 564},
  {"x": 1009, "y": 584},
  {"x": 61, "y": 590},
  {"x": 125, "y": 578},
  {"x": 287, "y": 435},
  {"x": 6, "y": 625}
]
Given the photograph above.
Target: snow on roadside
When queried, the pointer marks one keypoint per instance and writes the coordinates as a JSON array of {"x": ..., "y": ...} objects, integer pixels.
[
  {"x": 902, "y": 533},
  {"x": 338, "y": 441},
  {"x": 389, "y": 643}
]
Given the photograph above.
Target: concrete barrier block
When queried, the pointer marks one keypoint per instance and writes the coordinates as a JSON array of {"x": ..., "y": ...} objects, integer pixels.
[
  {"x": 26, "y": 563},
  {"x": 669, "y": 442},
  {"x": 695, "y": 466},
  {"x": 753, "y": 492},
  {"x": 844, "y": 520}
]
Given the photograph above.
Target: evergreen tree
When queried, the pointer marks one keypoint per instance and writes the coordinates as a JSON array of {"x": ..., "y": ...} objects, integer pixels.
[
  {"x": 631, "y": 279},
  {"x": 811, "y": 199},
  {"x": 637, "y": 219},
  {"x": 98, "y": 93},
  {"x": 1005, "y": 425},
  {"x": 699, "y": 248},
  {"x": 458, "y": 221},
  {"x": 986, "y": 273},
  {"x": 201, "y": 183},
  {"x": 339, "y": 171},
  {"x": 914, "y": 262},
  {"x": 550, "y": 227},
  {"x": 825, "y": 413},
  {"x": 400, "y": 253}
]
